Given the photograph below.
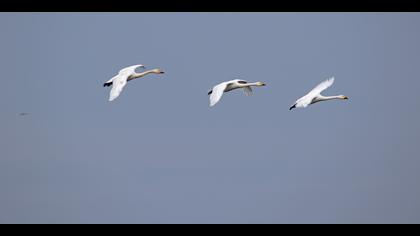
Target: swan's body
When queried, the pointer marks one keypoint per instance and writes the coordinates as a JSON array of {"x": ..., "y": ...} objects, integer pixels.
[
  {"x": 119, "y": 81},
  {"x": 217, "y": 92},
  {"x": 315, "y": 96}
]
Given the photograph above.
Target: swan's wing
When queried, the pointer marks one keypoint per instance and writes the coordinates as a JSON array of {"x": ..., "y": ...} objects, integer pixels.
[
  {"x": 117, "y": 87},
  {"x": 112, "y": 79},
  {"x": 321, "y": 87},
  {"x": 247, "y": 91},
  {"x": 109, "y": 82},
  {"x": 304, "y": 101},
  {"x": 239, "y": 81},
  {"x": 217, "y": 93},
  {"x": 131, "y": 69}
]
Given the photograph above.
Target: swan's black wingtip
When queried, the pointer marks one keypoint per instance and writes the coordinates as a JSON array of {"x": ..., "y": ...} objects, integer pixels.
[
  {"x": 294, "y": 106},
  {"x": 107, "y": 84}
]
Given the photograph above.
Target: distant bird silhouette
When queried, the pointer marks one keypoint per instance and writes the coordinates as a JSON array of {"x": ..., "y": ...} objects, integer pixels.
[{"x": 23, "y": 114}]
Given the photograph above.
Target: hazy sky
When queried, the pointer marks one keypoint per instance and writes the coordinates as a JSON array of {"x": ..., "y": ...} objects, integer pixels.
[{"x": 159, "y": 154}]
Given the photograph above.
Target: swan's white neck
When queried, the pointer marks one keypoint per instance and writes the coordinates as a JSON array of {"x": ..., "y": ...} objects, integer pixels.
[
  {"x": 138, "y": 75},
  {"x": 325, "y": 98}
]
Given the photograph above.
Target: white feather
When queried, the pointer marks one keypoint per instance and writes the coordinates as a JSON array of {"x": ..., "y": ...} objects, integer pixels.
[
  {"x": 322, "y": 86},
  {"x": 247, "y": 91},
  {"x": 118, "y": 85},
  {"x": 217, "y": 93}
]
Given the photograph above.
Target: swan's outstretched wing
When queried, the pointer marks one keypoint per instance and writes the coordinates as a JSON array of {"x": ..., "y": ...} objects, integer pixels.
[
  {"x": 247, "y": 91},
  {"x": 321, "y": 87},
  {"x": 217, "y": 93},
  {"x": 130, "y": 69},
  {"x": 109, "y": 82},
  {"x": 303, "y": 102},
  {"x": 118, "y": 85}
]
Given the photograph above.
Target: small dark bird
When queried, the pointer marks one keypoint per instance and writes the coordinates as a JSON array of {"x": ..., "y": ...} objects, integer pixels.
[{"x": 23, "y": 114}]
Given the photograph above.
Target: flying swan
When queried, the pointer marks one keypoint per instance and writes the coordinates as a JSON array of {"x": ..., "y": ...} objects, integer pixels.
[
  {"x": 217, "y": 92},
  {"x": 315, "y": 96},
  {"x": 119, "y": 81}
]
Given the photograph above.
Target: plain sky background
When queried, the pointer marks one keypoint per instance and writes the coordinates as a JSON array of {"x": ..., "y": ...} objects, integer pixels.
[{"x": 160, "y": 154}]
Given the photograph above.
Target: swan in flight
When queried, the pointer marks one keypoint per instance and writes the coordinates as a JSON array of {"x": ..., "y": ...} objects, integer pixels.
[
  {"x": 119, "y": 81},
  {"x": 315, "y": 96},
  {"x": 217, "y": 92}
]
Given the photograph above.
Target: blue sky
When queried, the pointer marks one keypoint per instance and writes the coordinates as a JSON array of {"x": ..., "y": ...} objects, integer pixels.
[{"x": 160, "y": 154}]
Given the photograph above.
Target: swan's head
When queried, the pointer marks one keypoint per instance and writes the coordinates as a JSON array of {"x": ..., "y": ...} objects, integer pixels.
[
  {"x": 158, "y": 71},
  {"x": 261, "y": 84},
  {"x": 344, "y": 97}
]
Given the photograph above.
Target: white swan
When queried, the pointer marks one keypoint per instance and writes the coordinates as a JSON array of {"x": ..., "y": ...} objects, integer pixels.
[
  {"x": 315, "y": 96},
  {"x": 119, "y": 81},
  {"x": 217, "y": 92}
]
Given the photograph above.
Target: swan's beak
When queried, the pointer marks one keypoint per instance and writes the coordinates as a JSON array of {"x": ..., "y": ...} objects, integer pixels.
[
  {"x": 263, "y": 84},
  {"x": 345, "y": 98}
]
